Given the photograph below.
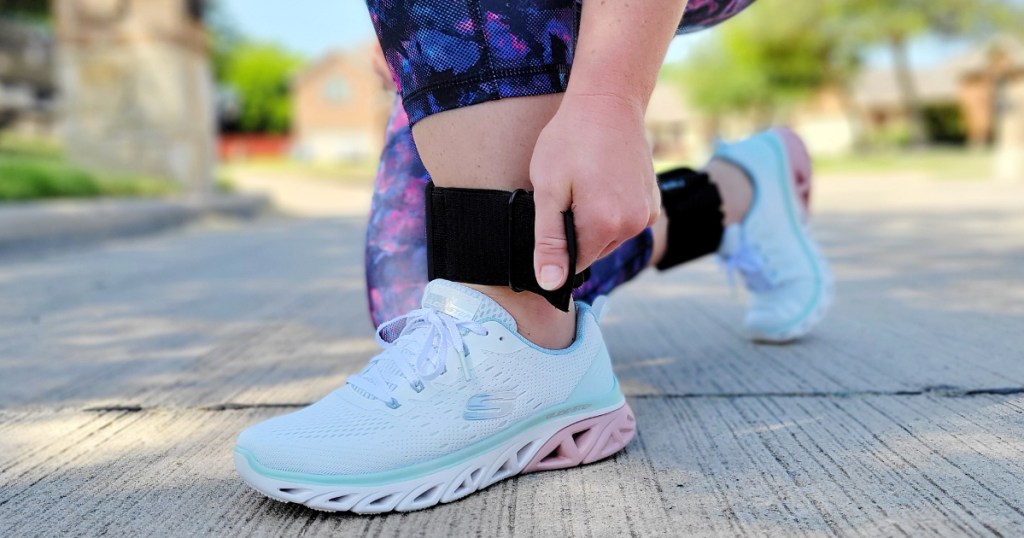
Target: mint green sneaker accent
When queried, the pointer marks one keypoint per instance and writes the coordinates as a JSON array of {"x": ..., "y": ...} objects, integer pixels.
[
  {"x": 456, "y": 401},
  {"x": 772, "y": 249}
]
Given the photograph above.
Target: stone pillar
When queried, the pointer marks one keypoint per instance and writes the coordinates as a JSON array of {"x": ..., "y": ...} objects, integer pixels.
[
  {"x": 137, "y": 89},
  {"x": 1009, "y": 161}
]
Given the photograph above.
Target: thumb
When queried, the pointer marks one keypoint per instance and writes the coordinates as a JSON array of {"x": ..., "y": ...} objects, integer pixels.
[{"x": 550, "y": 254}]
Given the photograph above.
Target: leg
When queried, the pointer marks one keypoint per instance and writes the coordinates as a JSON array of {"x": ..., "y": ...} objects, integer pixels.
[
  {"x": 459, "y": 399},
  {"x": 461, "y": 148},
  {"x": 396, "y": 248},
  {"x": 396, "y": 245},
  {"x": 764, "y": 186}
]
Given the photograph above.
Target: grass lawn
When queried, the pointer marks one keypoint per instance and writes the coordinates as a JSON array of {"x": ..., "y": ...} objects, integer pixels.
[
  {"x": 33, "y": 169},
  {"x": 932, "y": 163}
]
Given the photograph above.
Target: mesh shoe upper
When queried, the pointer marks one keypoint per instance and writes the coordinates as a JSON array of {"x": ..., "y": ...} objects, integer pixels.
[
  {"x": 772, "y": 249},
  {"x": 351, "y": 432}
]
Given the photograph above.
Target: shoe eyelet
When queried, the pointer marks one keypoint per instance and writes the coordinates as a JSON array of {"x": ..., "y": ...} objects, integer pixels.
[
  {"x": 501, "y": 338},
  {"x": 393, "y": 404},
  {"x": 418, "y": 386}
]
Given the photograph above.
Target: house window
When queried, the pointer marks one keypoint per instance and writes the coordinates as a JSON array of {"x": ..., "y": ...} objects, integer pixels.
[{"x": 336, "y": 90}]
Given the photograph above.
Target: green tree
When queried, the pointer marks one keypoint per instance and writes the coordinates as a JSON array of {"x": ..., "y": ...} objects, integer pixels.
[
  {"x": 894, "y": 24},
  {"x": 260, "y": 75},
  {"x": 225, "y": 37},
  {"x": 767, "y": 59},
  {"x": 36, "y": 9}
]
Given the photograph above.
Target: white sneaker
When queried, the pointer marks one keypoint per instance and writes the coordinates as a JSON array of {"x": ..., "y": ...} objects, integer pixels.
[
  {"x": 773, "y": 251},
  {"x": 457, "y": 401}
]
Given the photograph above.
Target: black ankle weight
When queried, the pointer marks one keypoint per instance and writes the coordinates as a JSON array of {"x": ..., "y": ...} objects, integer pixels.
[
  {"x": 693, "y": 206},
  {"x": 486, "y": 237}
]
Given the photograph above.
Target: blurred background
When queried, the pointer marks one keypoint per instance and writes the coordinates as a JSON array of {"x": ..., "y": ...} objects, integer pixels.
[
  {"x": 158, "y": 98},
  {"x": 129, "y": 364}
]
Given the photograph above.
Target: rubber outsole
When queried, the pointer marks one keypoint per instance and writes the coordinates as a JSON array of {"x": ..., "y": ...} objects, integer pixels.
[{"x": 558, "y": 444}]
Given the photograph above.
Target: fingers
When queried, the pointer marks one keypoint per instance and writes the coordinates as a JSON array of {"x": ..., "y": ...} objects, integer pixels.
[
  {"x": 596, "y": 236},
  {"x": 551, "y": 254},
  {"x": 655, "y": 208},
  {"x": 602, "y": 232}
]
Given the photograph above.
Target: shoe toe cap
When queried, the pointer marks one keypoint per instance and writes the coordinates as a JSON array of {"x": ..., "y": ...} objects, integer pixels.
[
  {"x": 326, "y": 438},
  {"x": 786, "y": 313}
]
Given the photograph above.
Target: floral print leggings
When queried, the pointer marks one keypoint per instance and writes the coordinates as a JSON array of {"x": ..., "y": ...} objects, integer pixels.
[{"x": 446, "y": 54}]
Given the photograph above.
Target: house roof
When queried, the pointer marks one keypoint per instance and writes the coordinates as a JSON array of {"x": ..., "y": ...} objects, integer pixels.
[
  {"x": 980, "y": 59},
  {"x": 362, "y": 57},
  {"x": 878, "y": 87}
]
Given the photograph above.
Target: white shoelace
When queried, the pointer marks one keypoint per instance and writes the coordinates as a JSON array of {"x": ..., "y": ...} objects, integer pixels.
[
  {"x": 445, "y": 332},
  {"x": 748, "y": 262}
]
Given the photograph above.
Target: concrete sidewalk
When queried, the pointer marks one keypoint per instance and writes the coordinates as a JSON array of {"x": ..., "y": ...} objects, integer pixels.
[
  {"x": 128, "y": 370},
  {"x": 52, "y": 224}
]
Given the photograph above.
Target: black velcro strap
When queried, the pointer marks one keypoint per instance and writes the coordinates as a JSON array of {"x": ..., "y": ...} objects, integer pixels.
[
  {"x": 486, "y": 237},
  {"x": 693, "y": 206}
]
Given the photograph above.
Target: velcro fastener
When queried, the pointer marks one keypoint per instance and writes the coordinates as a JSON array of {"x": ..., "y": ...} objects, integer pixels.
[{"x": 486, "y": 237}]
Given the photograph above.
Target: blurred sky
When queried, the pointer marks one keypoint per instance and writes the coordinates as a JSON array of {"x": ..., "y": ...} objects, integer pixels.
[{"x": 313, "y": 27}]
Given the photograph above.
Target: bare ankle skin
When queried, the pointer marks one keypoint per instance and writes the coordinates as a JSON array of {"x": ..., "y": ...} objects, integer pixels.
[
  {"x": 462, "y": 148},
  {"x": 536, "y": 319},
  {"x": 734, "y": 186},
  {"x": 737, "y": 193}
]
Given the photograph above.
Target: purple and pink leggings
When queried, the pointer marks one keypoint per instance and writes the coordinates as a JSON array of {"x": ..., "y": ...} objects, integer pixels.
[
  {"x": 445, "y": 55},
  {"x": 396, "y": 244}
]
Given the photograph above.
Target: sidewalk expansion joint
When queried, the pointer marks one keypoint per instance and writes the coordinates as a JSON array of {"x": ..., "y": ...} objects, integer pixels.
[{"x": 941, "y": 391}]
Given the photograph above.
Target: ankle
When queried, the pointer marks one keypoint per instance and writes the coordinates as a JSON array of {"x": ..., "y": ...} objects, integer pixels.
[
  {"x": 735, "y": 188},
  {"x": 536, "y": 319}
]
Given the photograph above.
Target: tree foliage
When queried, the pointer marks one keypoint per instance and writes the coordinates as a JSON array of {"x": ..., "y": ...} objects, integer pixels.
[
  {"x": 879, "y": 21},
  {"x": 25, "y": 8},
  {"x": 225, "y": 37},
  {"x": 780, "y": 51},
  {"x": 895, "y": 24},
  {"x": 260, "y": 75},
  {"x": 775, "y": 55},
  {"x": 256, "y": 75}
]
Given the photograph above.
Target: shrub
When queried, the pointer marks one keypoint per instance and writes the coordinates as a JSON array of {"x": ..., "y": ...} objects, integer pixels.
[{"x": 25, "y": 177}]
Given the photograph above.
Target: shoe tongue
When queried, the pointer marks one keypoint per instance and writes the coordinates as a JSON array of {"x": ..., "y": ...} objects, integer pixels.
[{"x": 464, "y": 304}]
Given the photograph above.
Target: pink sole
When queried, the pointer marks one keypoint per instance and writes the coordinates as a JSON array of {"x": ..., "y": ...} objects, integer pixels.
[
  {"x": 586, "y": 441},
  {"x": 800, "y": 160}
]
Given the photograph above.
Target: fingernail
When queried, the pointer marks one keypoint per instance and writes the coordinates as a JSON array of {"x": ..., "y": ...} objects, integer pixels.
[{"x": 550, "y": 277}]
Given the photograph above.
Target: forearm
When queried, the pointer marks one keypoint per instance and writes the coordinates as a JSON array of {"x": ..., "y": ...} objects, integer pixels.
[{"x": 620, "y": 49}]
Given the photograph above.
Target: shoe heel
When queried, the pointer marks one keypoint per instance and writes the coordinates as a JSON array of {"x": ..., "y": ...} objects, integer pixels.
[
  {"x": 800, "y": 161},
  {"x": 586, "y": 441}
]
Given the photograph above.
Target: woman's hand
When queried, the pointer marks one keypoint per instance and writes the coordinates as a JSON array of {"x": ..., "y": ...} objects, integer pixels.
[{"x": 592, "y": 157}]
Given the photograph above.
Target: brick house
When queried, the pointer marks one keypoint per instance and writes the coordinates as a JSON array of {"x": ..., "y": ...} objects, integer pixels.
[{"x": 340, "y": 108}]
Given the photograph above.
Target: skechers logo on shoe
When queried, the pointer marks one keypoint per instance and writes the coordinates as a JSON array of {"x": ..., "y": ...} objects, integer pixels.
[
  {"x": 672, "y": 184},
  {"x": 488, "y": 406},
  {"x": 456, "y": 305}
]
